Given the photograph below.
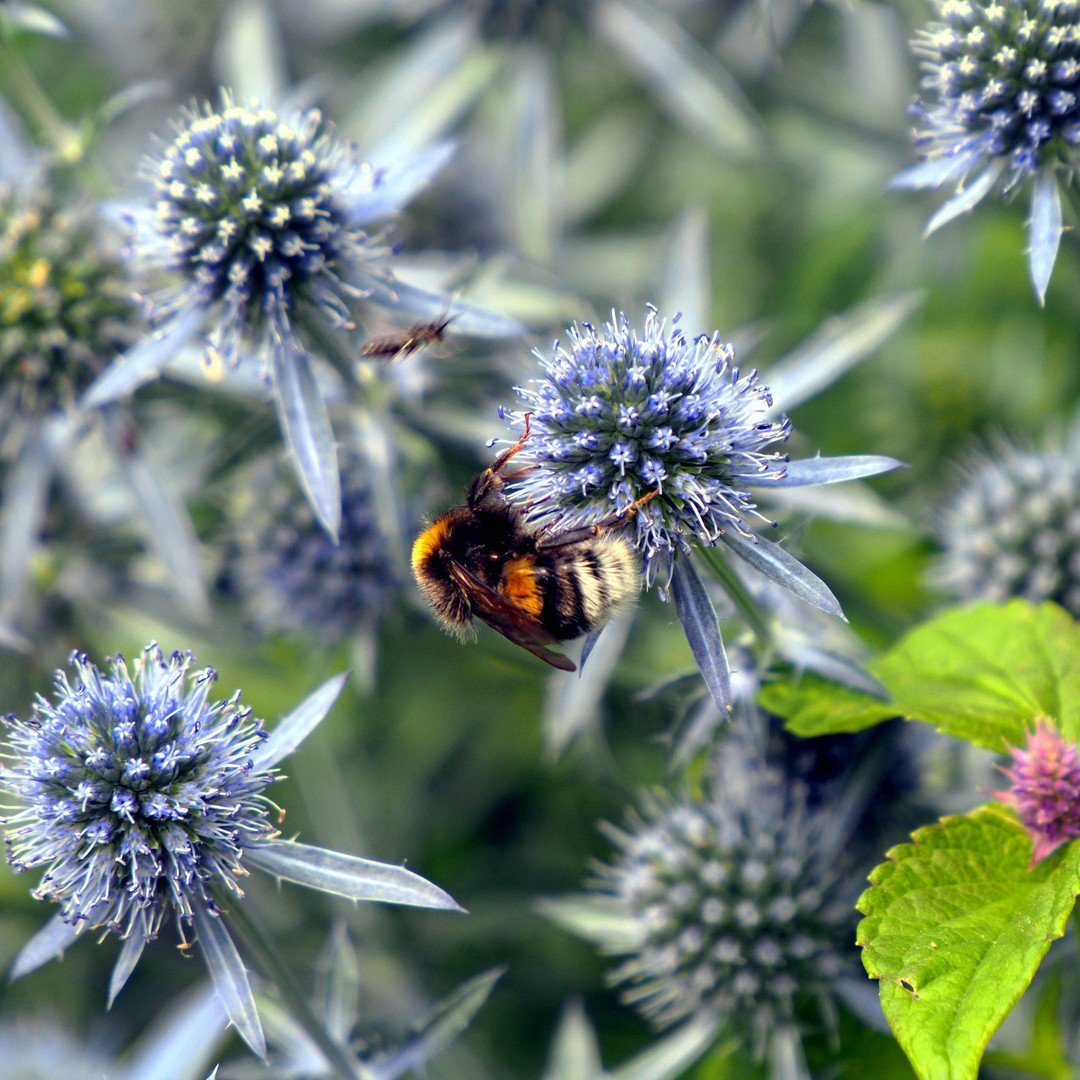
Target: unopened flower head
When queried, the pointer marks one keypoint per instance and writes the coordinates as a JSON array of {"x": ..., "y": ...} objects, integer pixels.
[
  {"x": 1002, "y": 82},
  {"x": 255, "y": 215},
  {"x": 619, "y": 415},
  {"x": 738, "y": 902},
  {"x": 65, "y": 311},
  {"x": 138, "y": 792},
  {"x": 1045, "y": 789},
  {"x": 297, "y": 579},
  {"x": 1012, "y": 528}
]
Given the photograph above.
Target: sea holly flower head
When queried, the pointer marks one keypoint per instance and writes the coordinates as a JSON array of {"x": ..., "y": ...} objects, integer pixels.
[
  {"x": 254, "y": 212},
  {"x": 143, "y": 800},
  {"x": 262, "y": 222},
  {"x": 296, "y": 579},
  {"x": 1045, "y": 789},
  {"x": 1012, "y": 528},
  {"x": 138, "y": 791},
  {"x": 1000, "y": 105},
  {"x": 65, "y": 307},
  {"x": 619, "y": 415},
  {"x": 734, "y": 903}
]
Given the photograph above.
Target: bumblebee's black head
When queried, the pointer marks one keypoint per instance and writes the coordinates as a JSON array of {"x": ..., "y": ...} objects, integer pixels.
[{"x": 477, "y": 537}]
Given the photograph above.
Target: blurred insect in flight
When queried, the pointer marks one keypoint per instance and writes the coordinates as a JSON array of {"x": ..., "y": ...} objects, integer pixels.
[
  {"x": 406, "y": 342},
  {"x": 536, "y": 586}
]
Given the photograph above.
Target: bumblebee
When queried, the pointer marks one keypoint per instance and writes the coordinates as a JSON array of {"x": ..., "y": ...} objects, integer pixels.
[{"x": 535, "y": 586}]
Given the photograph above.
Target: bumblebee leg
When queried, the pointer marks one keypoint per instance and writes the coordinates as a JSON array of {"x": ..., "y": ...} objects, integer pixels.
[
  {"x": 492, "y": 478},
  {"x": 499, "y": 463},
  {"x": 587, "y": 532}
]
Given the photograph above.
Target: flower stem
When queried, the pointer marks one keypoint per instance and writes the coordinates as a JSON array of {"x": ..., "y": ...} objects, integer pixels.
[
  {"x": 273, "y": 964},
  {"x": 34, "y": 103},
  {"x": 739, "y": 594}
]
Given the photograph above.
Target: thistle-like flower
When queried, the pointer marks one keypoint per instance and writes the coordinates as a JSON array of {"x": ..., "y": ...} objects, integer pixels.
[
  {"x": 1012, "y": 528},
  {"x": 1000, "y": 105},
  {"x": 1045, "y": 789},
  {"x": 143, "y": 800},
  {"x": 618, "y": 416},
  {"x": 297, "y": 580},
  {"x": 666, "y": 425},
  {"x": 65, "y": 308},
  {"x": 263, "y": 219},
  {"x": 733, "y": 902},
  {"x": 139, "y": 793}
]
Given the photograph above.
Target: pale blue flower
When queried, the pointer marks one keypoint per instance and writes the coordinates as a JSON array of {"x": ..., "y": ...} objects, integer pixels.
[
  {"x": 617, "y": 416},
  {"x": 143, "y": 800},
  {"x": 264, "y": 221},
  {"x": 667, "y": 424},
  {"x": 999, "y": 107},
  {"x": 731, "y": 905}
]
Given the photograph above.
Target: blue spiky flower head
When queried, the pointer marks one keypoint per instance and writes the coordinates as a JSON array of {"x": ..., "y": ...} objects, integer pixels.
[
  {"x": 736, "y": 901},
  {"x": 142, "y": 799},
  {"x": 255, "y": 214},
  {"x": 138, "y": 793},
  {"x": 1001, "y": 99},
  {"x": 296, "y": 579},
  {"x": 618, "y": 415},
  {"x": 262, "y": 225}
]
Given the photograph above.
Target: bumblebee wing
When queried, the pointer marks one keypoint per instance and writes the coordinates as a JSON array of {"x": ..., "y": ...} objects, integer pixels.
[{"x": 513, "y": 623}]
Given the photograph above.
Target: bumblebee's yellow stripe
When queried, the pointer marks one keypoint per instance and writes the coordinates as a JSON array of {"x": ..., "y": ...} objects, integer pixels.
[
  {"x": 519, "y": 584},
  {"x": 428, "y": 541}
]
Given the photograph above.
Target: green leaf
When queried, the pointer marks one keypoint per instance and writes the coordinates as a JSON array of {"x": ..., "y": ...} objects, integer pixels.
[
  {"x": 1044, "y": 1056},
  {"x": 984, "y": 673},
  {"x": 815, "y": 706},
  {"x": 956, "y": 926}
]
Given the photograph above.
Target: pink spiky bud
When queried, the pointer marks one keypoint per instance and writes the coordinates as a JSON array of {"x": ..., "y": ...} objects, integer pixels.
[{"x": 1045, "y": 789}]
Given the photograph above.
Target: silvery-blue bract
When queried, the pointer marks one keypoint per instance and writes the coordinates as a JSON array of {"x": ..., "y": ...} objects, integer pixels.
[
  {"x": 142, "y": 800},
  {"x": 1000, "y": 105},
  {"x": 618, "y": 415},
  {"x": 339, "y": 1004}
]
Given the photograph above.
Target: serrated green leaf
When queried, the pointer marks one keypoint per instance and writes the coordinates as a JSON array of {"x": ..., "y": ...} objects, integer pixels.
[
  {"x": 956, "y": 926},
  {"x": 984, "y": 673},
  {"x": 815, "y": 706}
]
